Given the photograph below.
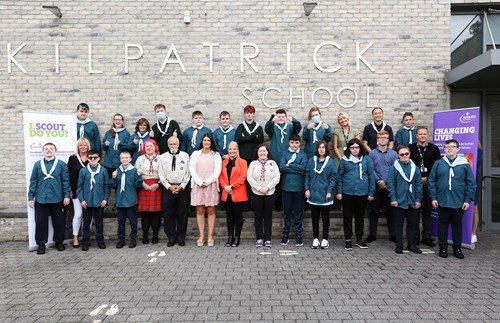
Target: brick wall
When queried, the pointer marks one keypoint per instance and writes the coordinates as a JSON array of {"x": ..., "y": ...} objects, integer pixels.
[{"x": 410, "y": 56}]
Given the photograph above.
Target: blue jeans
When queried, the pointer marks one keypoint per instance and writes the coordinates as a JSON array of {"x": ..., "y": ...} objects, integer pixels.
[
  {"x": 123, "y": 214},
  {"x": 293, "y": 202}
]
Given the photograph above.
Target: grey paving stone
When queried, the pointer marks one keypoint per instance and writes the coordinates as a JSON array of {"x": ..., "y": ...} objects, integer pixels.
[{"x": 201, "y": 284}]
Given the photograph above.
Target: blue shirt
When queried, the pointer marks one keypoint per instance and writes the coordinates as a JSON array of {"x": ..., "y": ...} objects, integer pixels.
[
  {"x": 292, "y": 175},
  {"x": 50, "y": 190},
  {"x": 382, "y": 161},
  {"x": 308, "y": 137},
  {"x": 399, "y": 188},
  {"x": 219, "y": 140},
  {"x": 320, "y": 184},
  {"x": 112, "y": 156},
  {"x": 100, "y": 188},
  {"x": 278, "y": 146},
  {"x": 187, "y": 136},
  {"x": 349, "y": 181}
]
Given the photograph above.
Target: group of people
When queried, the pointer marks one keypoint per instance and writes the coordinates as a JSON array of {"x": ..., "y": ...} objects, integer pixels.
[{"x": 159, "y": 171}]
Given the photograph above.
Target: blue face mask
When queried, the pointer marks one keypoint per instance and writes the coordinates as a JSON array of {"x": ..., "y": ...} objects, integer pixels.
[
  {"x": 316, "y": 119},
  {"x": 161, "y": 115}
]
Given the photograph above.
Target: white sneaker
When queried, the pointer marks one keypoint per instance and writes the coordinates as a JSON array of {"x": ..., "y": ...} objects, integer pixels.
[
  {"x": 315, "y": 244},
  {"x": 259, "y": 243},
  {"x": 474, "y": 238},
  {"x": 325, "y": 244}
]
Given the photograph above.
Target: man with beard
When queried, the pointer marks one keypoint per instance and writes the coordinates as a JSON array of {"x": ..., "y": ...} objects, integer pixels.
[{"x": 174, "y": 176}]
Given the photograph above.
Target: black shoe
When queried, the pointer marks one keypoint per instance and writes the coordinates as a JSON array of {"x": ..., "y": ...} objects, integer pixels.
[
  {"x": 145, "y": 240},
  {"x": 443, "y": 252},
  {"x": 154, "y": 240},
  {"x": 101, "y": 245},
  {"x": 60, "y": 246},
  {"x": 428, "y": 242},
  {"x": 392, "y": 238},
  {"x": 457, "y": 252},
  {"x": 41, "y": 249},
  {"x": 181, "y": 244},
  {"x": 399, "y": 250},
  {"x": 85, "y": 247},
  {"x": 170, "y": 244},
  {"x": 229, "y": 242},
  {"x": 360, "y": 244},
  {"x": 414, "y": 249},
  {"x": 120, "y": 244},
  {"x": 132, "y": 243},
  {"x": 235, "y": 242},
  {"x": 370, "y": 239}
]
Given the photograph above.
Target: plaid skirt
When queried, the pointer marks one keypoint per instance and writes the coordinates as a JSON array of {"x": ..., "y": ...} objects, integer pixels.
[{"x": 149, "y": 201}]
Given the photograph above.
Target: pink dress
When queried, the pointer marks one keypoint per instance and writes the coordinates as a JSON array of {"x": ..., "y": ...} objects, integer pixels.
[{"x": 207, "y": 196}]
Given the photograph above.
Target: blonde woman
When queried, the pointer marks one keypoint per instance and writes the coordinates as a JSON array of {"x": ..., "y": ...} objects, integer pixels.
[
  {"x": 342, "y": 135},
  {"x": 75, "y": 163}
]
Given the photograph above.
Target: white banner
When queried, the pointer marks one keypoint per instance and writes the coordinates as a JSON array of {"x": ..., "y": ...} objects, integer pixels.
[{"x": 39, "y": 129}]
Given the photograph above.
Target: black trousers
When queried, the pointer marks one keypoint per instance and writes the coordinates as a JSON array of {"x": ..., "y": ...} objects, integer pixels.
[
  {"x": 263, "y": 209},
  {"x": 449, "y": 216},
  {"x": 324, "y": 212},
  {"x": 354, "y": 206},
  {"x": 42, "y": 213},
  {"x": 424, "y": 214},
  {"x": 381, "y": 198},
  {"x": 175, "y": 207},
  {"x": 278, "y": 196},
  {"x": 234, "y": 213},
  {"x": 399, "y": 218},
  {"x": 151, "y": 219},
  {"x": 96, "y": 213}
]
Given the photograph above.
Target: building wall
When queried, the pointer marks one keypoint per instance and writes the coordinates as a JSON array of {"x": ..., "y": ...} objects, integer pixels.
[{"x": 409, "y": 56}]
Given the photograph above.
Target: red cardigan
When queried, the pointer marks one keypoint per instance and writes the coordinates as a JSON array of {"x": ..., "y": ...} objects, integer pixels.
[{"x": 237, "y": 180}]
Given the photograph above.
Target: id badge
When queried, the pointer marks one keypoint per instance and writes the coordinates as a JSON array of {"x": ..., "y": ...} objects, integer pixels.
[{"x": 423, "y": 169}]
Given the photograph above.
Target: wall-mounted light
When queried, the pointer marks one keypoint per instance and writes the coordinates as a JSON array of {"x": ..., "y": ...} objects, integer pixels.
[
  {"x": 187, "y": 17},
  {"x": 54, "y": 9},
  {"x": 308, "y": 7}
]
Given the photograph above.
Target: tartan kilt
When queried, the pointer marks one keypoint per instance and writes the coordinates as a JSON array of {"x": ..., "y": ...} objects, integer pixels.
[{"x": 149, "y": 201}]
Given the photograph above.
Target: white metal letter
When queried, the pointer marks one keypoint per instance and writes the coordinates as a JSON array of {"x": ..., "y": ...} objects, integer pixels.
[
  {"x": 91, "y": 71},
  {"x": 211, "y": 54},
  {"x": 359, "y": 57},
  {"x": 288, "y": 57},
  {"x": 368, "y": 105},
  {"x": 177, "y": 59},
  {"x": 127, "y": 57},
  {"x": 57, "y": 58},
  {"x": 243, "y": 92},
  {"x": 247, "y": 58},
  {"x": 353, "y": 102},
  {"x": 297, "y": 96},
  {"x": 329, "y": 94},
  {"x": 11, "y": 59},
  {"x": 264, "y": 97},
  {"x": 315, "y": 60}
]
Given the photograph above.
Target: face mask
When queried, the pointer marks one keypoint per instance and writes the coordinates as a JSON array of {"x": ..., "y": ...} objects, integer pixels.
[
  {"x": 161, "y": 115},
  {"x": 316, "y": 119}
]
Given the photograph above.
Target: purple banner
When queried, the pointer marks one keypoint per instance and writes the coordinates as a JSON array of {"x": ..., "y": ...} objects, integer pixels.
[{"x": 463, "y": 126}]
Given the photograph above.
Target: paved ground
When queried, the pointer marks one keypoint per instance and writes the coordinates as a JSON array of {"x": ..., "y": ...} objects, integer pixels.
[{"x": 153, "y": 283}]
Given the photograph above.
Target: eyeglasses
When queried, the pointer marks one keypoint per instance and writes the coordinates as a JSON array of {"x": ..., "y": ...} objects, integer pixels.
[
  {"x": 385, "y": 138},
  {"x": 354, "y": 147},
  {"x": 450, "y": 147},
  {"x": 93, "y": 157},
  {"x": 404, "y": 154}
]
